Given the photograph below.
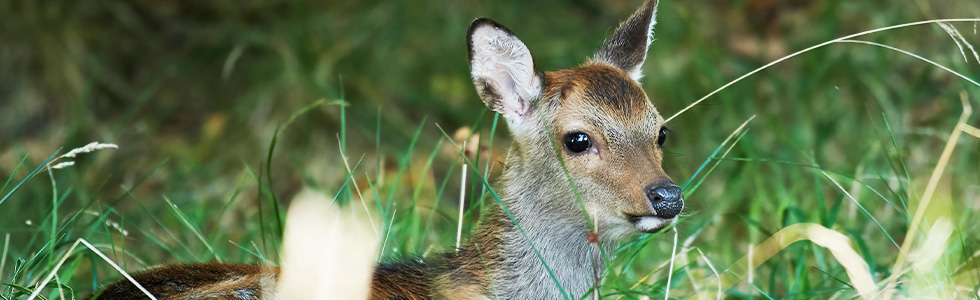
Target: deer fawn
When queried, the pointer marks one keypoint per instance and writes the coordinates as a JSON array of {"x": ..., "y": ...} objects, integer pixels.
[{"x": 609, "y": 137}]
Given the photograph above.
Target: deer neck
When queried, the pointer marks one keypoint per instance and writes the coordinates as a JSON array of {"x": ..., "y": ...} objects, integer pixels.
[{"x": 508, "y": 260}]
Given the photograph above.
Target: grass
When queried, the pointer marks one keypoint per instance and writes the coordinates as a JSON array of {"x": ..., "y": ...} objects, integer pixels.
[{"x": 224, "y": 110}]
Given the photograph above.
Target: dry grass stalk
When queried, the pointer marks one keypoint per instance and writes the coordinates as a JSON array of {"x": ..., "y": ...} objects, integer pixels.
[
  {"x": 54, "y": 271},
  {"x": 937, "y": 173},
  {"x": 837, "y": 243}
]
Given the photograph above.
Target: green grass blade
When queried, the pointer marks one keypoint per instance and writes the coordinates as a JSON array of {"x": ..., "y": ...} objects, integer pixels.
[
  {"x": 403, "y": 164},
  {"x": 271, "y": 191},
  {"x": 190, "y": 226},
  {"x": 29, "y": 176},
  {"x": 711, "y": 157},
  {"x": 11, "y": 177}
]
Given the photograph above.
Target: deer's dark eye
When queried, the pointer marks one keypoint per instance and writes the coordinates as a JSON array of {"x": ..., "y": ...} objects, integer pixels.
[
  {"x": 662, "y": 137},
  {"x": 576, "y": 142}
]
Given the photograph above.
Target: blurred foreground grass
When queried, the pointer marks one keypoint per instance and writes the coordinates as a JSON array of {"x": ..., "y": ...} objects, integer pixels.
[{"x": 194, "y": 92}]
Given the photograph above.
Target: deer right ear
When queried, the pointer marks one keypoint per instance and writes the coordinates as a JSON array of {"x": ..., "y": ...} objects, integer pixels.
[
  {"x": 627, "y": 48},
  {"x": 502, "y": 69}
]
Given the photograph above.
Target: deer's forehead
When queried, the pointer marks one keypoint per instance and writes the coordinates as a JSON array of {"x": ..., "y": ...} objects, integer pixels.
[{"x": 606, "y": 94}]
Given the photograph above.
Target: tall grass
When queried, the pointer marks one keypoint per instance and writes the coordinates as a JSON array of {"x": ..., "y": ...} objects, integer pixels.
[{"x": 223, "y": 111}]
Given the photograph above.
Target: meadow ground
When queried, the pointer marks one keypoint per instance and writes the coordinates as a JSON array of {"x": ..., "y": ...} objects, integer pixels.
[{"x": 223, "y": 110}]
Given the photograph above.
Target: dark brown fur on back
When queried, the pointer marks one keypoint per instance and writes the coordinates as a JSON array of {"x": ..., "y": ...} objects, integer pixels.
[
  {"x": 400, "y": 281},
  {"x": 184, "y": 281}
]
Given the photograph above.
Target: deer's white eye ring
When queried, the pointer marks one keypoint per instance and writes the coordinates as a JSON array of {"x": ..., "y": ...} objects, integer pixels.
[{"x": 577, "y": 142}]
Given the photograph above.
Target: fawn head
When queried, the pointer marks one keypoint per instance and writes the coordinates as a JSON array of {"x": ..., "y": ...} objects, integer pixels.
[{"x": 595, "y": 119}]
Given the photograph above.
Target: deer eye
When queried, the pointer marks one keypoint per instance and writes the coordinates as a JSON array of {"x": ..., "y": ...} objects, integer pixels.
[
  {"x": 662, "y": 137},
  {"x": 576, "y": 142}
]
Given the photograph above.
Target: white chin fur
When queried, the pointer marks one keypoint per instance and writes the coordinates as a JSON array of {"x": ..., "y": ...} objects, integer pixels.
[{"x": 651, "y": 223}]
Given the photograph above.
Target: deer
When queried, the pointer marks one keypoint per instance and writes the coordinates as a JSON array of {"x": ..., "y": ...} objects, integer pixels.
[{"x": 587, "y": 149}]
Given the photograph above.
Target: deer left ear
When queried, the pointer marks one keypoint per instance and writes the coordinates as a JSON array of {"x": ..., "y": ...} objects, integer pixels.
[
  {"x": 502, "y": 69},
  {"x": 627, "y": 48}
]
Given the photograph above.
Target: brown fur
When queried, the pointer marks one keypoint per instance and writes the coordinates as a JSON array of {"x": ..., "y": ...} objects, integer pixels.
[
  {"x": 599, "y": 85},
  {"x": 540, "y": 219},
  {"x": 195, "y": 281},
  {"x": 401, "y": 281}
]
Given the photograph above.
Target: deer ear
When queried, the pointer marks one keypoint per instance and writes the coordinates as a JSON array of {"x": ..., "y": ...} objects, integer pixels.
[
  {"x": 627, "y": 48},
  {"x": 502, "y": 69}
]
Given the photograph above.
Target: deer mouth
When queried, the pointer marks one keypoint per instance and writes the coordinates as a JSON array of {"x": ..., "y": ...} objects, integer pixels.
[{"x": 650, "y": 223}]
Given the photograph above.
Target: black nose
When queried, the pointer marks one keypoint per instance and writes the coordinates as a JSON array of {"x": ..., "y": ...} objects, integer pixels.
[{"x": 667, "y": 201}]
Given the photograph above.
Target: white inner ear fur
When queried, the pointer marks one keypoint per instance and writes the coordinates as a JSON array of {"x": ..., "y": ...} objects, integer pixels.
[{"x": 505, "y": 63}]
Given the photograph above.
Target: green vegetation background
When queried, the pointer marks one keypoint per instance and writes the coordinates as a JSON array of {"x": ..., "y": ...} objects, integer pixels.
[{"x": 193, "y": 92}]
